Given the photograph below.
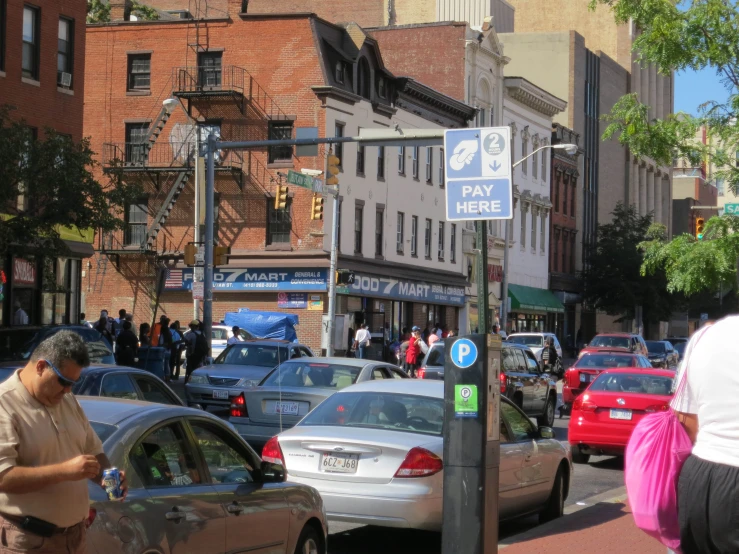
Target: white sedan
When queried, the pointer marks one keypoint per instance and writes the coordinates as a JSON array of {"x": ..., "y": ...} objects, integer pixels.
[{"x": 374, "y": 452}]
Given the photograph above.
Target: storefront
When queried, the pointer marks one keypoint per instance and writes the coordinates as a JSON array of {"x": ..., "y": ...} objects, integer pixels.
[{"x": 532, "y": 310}]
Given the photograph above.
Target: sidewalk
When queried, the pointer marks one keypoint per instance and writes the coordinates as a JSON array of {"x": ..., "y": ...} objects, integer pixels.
[{"x": 606, "y": 527}]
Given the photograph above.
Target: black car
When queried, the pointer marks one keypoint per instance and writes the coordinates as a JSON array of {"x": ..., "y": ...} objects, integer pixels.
[
  {"x": 18, "y": 343},
  {"x": 522, "y": 379},
  {"x": 662, "y": 354},
  {"x": 125, "y": 382}
]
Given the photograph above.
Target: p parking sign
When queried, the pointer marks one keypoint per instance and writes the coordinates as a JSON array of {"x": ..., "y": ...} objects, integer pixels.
[{"x": 465, "y": 400}]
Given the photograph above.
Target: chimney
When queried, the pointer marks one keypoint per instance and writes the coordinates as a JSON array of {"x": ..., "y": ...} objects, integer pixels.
[
  {"x": 236, "y": 7},
  {"x": 120, "y": 10}
]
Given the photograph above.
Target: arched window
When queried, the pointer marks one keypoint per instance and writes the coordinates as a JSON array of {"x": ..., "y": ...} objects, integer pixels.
[{"x": 363, "y": 79}]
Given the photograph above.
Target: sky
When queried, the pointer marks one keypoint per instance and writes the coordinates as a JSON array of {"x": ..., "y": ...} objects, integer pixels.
[{"x": 693, "y": 88}]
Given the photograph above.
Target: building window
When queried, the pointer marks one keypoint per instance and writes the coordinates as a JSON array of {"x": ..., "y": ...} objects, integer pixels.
[
  {"x": 209, "y": 69},
  {"x": 380, "y": 162},
  {"x": 139, "y": 71},
  {"x": 523, "y": 226},
  {"x": 572, "y": 253},
  {"x": 555, "y": 254},
  {"x": 524, "y": 153},
  {"x": 414, "y": 235},
  {"x": 542, "y": 246},
  {"x": 363, "y": 80},
  {"x": 135, "y": 138},
  {"x": 3, "y": 22},
  {"x": 65, "y": 53},
  {"x": 533, "y": 230},
  {"x": 565, "y": 194},
  {"x": 720, "y": 186},
  {"x": 535, "y": 163},
  {"x": 137, "y": 216},
  {"x": 382, "y": 88},
  {"x": 401, "y": 160},
  {"x": 339, "y": 72},
  {"x": 279, "y": 223},
  {"x": 379, "y": 234},
  {"x": 358, "y": 221},
  {"x": 453, "y": 245},
  {"x": 481, "y": 117},
  {"x": 427, "y": 240},
  {"x": 280, "y": 130},
  {"x": 441, "y": 168},
  {"x": 565, "y": 242},
  {"x": 544, "y": 165},
  {"x": 400, "y": 233},
  {"x": 360, "y": 158},
  {"x": 440, "y": 253},
  {"x": 574, "y": 191},
  {"x": 339, "y": 146},
  {"x": 415, "y": 162},
  {"x": 429, "y": 164},
  {"x": 557, "y": 183},
  {"x": 30, "y": 55}
]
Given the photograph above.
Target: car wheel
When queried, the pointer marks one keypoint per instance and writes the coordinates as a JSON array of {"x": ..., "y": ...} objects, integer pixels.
[
  {"x": 309, "y": 542},
  {"x": 555, "y": 505},
  {"x": 547, "y": 418},
  {"x": 578, "y": 457}
]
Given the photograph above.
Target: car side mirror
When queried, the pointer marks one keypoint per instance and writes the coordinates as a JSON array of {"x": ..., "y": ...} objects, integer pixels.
[
  {"x": 272, "y": 473},
  {"x": 209, "y": 361},
  {"x": 546, "y": 432}
]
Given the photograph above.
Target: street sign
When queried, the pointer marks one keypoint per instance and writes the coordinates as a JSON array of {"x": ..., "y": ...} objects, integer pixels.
[
  {"x": 464, "y": 353},
  {"x": 305, "y": 181},
  {"x": 477, "y": 167},
  {"x": 731, "y": 209},
  {"x": 198, "y": 290},
  {"x": 199, "y": 274}
]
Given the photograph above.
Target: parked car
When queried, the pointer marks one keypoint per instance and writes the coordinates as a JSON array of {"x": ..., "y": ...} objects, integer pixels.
[
  {"x": 604, "y": 417},
  {"x": 628, "y": 342},
  {"x": 522, "y": 379},
  {"x": 536, "y": 342},
  {"x": 17, "y": 343},
  {"x": 674, "y": 341},
  {"x": 680, "y": 349},
  {"x": 375, "y": 452},
  {"x": 126, "y": 383},
  {"x": 584, "y": 371},
  {"x": 194, "y": 486},
  {"x": 239, "y": 366},
  {"x": 662, "y": 354},
  {"x": 293, "y": 389},
  {"x": 220, "y": 335}
]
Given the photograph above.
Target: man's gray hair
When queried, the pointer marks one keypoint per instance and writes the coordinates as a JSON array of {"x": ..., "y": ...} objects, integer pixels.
[{"x": 61, "y": 347}]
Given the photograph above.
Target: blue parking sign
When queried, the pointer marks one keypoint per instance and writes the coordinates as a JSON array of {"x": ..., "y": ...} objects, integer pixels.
[
  {"x": 463, "y": 353},
  {"x": 477, "y": 168}
]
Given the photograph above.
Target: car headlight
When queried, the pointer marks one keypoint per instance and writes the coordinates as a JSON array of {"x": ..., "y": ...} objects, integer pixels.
[
  {"x": 248, "y": 383},
  {"x": 196, "y": 379}
]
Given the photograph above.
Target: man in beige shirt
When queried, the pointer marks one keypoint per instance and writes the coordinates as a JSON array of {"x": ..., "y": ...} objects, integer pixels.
[{"x": 48, "y": 451}]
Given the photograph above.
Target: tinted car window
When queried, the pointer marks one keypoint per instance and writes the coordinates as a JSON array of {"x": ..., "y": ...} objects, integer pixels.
[
  {"x": 521, "y": 427},
  {"x": 602, "y": 361},
  {"x": 253, "y": 354},
  {"x": 226, "y": 461},
  {"x": 153, "y": 391},
  {"x": 615, "y": 342},
  {"x": 656, "y": 347},
  {"x": 435, "y": 356},
  {"x": 521, "y": 364},
  {"x": 162, "y": 459},
  {"x": 509, "y": 359},
  {"x": 680, "y": 348},
  {"x": 304, "y": 374},
  {"x": 118, "y": 385},
  {"x": 533, "y": 366},
  {"x": 535, "y": 341},
  {"x": 637, "y": 383}
]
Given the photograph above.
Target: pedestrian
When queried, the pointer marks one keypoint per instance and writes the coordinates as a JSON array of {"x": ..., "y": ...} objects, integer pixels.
[
  {"x": 438, "y": 331},
  {"x": 351, "y": 351},
  {"x": 708, "y": 489},
  {"x": 48, "y": 451},
  {"x": 235, "y": 338},
  {"x": 102, "y": 328},
  {"x": 165, "y": 341},
  {"x": 20, "y": 317},
  {"x": 197, "y": 348},
  {"x": 403, "y": 352},
  {"x": 450, "y": 334},
  {"x": 144, "y": 330},
  {"x": 127, "y": 345},
  {"x": 175, "y": 357},
  {"x": 108, "y": 321},
  {"x": 118, "y": 323},
  {"x": 552, "y": 355},
  {"x": 433, "y": 337},
  {"x": 414, "y": 354},
  {"x": 362, "y": 341},
  {"x": 84, "y": 322}
]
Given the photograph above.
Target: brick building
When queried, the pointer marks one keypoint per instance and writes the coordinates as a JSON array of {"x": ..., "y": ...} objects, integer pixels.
[
  {"x": 42, "y": 66},
  {"x": 245, "y": 77}
]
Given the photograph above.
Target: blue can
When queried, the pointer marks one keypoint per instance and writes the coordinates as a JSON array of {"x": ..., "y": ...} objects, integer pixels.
[{"x": 112, "y": 483}]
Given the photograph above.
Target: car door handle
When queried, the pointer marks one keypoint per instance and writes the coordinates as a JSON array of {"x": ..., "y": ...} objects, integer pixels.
[
  {"x": 175, "y": 515},
  {"x": 234, "y": 508}
]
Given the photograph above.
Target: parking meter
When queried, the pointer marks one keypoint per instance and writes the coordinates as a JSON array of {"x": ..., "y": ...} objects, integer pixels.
[{"x": 471, "y": 444}]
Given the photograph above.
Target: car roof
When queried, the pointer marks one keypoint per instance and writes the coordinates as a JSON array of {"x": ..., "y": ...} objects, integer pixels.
[
  {"x": 532, "y": 333},
  {"x": 337, "y": 360},
  {"x": 267, "y": 342},
  {"x": 418, "y": 387},
  {"x": 107, "y": 368},
  {"x": 629, "y": 335},
  {"x": 654, "y": 371},
  {"x": 114, "y": 411},
  {"x": 609, "y": 350}
]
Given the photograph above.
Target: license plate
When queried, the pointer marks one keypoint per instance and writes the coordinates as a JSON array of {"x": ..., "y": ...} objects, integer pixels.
[
  {"x": 286, "y": 408},
  {"x": 620, "y": 414},
  {"x": 220, "y": 394},
  {"x": 339, "y": 463}
]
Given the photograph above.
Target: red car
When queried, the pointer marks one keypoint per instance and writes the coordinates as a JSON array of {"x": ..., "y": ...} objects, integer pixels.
[
  {"x": 626, "y": 342},
  {"x": 590, "y": 365},
  {"x": 606, "y": 414}
]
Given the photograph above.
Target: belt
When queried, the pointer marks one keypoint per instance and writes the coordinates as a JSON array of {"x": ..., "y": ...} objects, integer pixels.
[{"x": 18, "y": 521}]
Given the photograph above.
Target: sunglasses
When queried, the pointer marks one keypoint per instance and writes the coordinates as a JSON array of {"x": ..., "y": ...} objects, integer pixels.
[{"x": 63, "y": 381}]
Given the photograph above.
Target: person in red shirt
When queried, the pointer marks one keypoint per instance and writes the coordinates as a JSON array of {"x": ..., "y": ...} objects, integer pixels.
[{"x": 413, "y": 354}]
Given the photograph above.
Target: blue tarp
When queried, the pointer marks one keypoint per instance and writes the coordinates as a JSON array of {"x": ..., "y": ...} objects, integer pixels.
[{"x": 265, "y": 325}]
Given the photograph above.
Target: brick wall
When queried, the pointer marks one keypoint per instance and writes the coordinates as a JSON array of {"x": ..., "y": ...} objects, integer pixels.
[
  {"x": 367, "y": 13},
  {"x": 41, "y": 104}
]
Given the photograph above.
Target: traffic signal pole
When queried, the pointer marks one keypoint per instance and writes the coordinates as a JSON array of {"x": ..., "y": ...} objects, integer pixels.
[
  {"x": 332, "y": 274},
  {"x": 209, "y": 232}
]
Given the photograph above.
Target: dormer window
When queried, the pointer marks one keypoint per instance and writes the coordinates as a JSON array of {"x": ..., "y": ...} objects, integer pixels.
[
  {"x": 363, "y": 81},
  {"x": 340, "y": 72},
  {"x": 382, "y": 87}
]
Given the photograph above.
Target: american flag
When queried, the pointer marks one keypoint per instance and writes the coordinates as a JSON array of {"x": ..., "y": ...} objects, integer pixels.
[{"x": 174, "y": 279}]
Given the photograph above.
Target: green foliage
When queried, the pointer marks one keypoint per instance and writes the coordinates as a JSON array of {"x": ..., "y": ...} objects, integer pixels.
[
  {"x": 613, "y": 281},
  {"x": 54, "y": 175},
  {"x": 98, "y": 11},
  {"x": 694, "y": 266},
  {"x": 143, "y": 12}
]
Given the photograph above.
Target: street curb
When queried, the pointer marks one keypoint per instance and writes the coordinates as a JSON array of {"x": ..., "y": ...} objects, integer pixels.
[{"x": 613, "y": 496}]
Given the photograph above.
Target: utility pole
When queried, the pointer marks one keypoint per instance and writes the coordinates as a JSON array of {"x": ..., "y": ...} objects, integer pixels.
[
  {"x": 332, "y": 169},
  {"x": 208, "y": 273}
]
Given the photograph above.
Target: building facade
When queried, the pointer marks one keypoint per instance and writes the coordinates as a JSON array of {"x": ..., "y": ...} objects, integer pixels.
[{"x": 42, "y": 67}]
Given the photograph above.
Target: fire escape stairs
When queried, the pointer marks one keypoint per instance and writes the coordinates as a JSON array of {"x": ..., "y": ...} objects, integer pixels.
[{"x": 166, "y": 208}]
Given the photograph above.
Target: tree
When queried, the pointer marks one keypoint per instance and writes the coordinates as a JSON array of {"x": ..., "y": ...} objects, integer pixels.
[
  {"x": 676, "y": 35},
  {"x": 47, "y": 184},
  {"x": 613, "y": 281},
  {"x": 98, "y": 11}
]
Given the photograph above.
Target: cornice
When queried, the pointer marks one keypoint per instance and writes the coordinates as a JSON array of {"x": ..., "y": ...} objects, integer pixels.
[{"x": 534, "y": 97}]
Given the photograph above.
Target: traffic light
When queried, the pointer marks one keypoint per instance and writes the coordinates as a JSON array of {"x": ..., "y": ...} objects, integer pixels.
[
  {"x": 699, "y": 225},
  {"x": 190, "y": 251},
  {"x": 220, "y": 255},
  {"x": 280, "y": 197},
  {"x": 333, "y": 170},
  {"x": 344, "y": 277},
  {"x": 316, "y": 211}
]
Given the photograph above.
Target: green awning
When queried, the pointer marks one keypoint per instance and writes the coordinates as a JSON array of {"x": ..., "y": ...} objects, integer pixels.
[{"x": 529, "y": 298}]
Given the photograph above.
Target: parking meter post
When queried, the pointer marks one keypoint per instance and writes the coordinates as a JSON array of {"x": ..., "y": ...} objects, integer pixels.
[{"x": 471, "y": 444}]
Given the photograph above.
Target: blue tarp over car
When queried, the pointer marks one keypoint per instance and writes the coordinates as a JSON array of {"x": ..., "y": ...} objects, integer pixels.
[{"x": 265, "y": 325}]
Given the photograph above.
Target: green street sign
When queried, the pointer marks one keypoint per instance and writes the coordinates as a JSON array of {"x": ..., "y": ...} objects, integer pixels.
[
  {"x": 305, "y": 181},
  {"x": 731, "y": 209},
  {"x": 465, "y": 400}
]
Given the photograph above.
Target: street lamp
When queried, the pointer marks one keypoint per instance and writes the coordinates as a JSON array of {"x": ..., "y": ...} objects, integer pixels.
[{"x": 570, "y": 149}]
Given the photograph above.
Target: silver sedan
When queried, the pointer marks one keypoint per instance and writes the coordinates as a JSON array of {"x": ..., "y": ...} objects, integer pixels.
[
  {"x": 374, "y": 452},
  {"x": 194, "y": 486}
]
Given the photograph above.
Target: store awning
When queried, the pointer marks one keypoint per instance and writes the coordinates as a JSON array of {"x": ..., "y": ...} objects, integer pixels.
[{"x": 530, "y": 298}]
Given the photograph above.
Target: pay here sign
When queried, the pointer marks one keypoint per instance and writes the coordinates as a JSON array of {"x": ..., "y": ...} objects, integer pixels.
[{"x": 477, "y": 168}]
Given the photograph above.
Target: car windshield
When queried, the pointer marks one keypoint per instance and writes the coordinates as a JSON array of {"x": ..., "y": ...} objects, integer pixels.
[
  {"x": 380, "y": 410},
  {"x": 602, "y": 361},
  {"x": 614, "y": 342},
  {"x": 312, "y": 375},
  {"x": 655, "y": 347},
  {"x": 636, "y": 383},
  {"x": 103, "y": 430},
  {"x": 219, "y": 334},
  {"x": 252, "y": 354},
  {"x": 527, "y": 340},
  {"x": 680, "y": 347},
  {"x": 435, "y": 356}
]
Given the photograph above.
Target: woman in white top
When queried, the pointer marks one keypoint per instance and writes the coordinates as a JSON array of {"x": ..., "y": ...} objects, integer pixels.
[{"x": 708, "y": 407}]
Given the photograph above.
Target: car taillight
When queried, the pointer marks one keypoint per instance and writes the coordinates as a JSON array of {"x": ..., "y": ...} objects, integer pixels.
[
  {"x": 238, "y": 406},
  {"x": 503, "y": 382},
  {"x": 272, "y": 452},
  {"x": 573, "y": 378},
  {"x": 421, "y": 373},
  {"x": 657, "y": 408},
  {"x": 91, "y": 517},
  {"x": 419, "y": 462},
  {"x": 584, "y": 404}
]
